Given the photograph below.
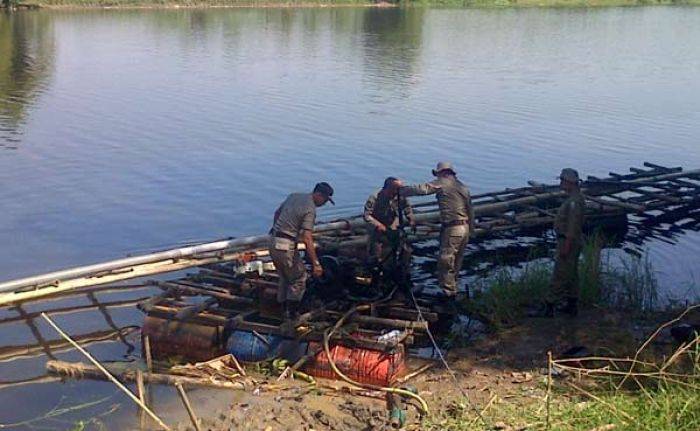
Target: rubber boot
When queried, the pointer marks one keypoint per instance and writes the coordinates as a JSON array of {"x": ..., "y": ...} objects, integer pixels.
[
  {"x": 291, "y": 315},
  {"x": 292, "y": 311},
  {"x": 545, "y": 310},
  {"x": 571, "y": 307}
]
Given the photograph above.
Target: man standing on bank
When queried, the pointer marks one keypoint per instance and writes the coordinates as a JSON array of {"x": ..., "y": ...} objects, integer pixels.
[
  {"x": 568, "y": 226},
  {"x": 457, "y": 218},
  {"x": 294, "y": 221},
  {"x": 382, "y": 213}
]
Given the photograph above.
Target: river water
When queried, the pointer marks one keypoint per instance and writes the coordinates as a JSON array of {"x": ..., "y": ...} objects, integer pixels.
[{"x": 126, "y": 131}]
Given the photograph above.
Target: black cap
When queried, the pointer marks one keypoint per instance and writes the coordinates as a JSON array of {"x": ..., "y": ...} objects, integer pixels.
[{"x": 325, "y": 189}]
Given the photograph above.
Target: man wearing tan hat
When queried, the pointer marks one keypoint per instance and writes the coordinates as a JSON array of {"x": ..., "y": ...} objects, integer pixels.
[
  {"x": 456, "y": 217},
  {"x": 568, "y": 226}
]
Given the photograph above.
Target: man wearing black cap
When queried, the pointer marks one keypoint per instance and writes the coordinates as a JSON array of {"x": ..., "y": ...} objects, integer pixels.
[
  {"x": 457, "y": 218},
  {"x": 294, "y": 221},
  {"x": 568, "y": 226}
]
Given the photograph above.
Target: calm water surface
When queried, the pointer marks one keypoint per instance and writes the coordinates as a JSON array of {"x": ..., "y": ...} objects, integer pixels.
[{"x": 124, "y": 131}]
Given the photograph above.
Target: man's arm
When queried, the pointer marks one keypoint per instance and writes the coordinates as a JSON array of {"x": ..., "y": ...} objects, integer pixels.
[
  {"x": 308, "y": 240},
  {"x": 307, "y": 227},
  {"x": 420, "y": 189},
  {"x": 369, "y": 218},
  {"x": 408, "y": 211},
  {"x": 470, "y": 213}
]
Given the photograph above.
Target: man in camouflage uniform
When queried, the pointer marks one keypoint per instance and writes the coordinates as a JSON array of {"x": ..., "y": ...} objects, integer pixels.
[
  {"x": 294, "y": 221},
  {"x": 568, "y": 226},
  {"x": 456, "y": 217},
  {"x": 382, "y": 213}
]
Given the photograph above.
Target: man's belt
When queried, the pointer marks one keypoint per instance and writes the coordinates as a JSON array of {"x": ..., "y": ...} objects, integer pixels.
[
  {"x": 284, "y": 235},
  {"x": 455, "y": 223}
]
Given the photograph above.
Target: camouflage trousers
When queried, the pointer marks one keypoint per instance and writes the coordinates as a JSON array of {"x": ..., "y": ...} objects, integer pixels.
[
  {"x": 382, "y": 249},
  {"x": 453, "y": 243},
  {"x": 290, "y": 268},
  {"x": 564, "y": 283}
]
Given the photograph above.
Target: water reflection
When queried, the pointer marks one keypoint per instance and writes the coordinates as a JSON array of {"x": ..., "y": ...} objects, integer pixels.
[
  {"x": 26, "y": 63},
  {"x": 392, "y": 46}
]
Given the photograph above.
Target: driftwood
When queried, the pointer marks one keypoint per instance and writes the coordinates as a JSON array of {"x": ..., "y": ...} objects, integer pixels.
[{"x": 126, "y": 373}]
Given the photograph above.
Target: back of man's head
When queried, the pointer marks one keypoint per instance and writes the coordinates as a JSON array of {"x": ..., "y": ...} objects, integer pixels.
[{"x": 389, "y": 182}]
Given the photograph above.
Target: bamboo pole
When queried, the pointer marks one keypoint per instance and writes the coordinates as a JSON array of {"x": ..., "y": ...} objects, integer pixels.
[
  {"x": 188, "y": 406},
  {"x": 548, "y": 424},
  {"x": 105, "y": 372},
  {"x": 75, "y": 309},
  {"x": 79, "y": 370},
  {"x": 149, "y": 357},
  {"x": 9, "y": 353},
  {"x": 141, "y": 387}
]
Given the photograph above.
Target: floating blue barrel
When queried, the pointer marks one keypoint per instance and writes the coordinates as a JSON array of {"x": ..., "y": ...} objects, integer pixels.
[{"x": 247, "y": 346}]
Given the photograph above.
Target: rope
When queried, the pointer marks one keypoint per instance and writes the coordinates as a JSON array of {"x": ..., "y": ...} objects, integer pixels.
[
  {"x": 326, "y": 336},
  {"x": 444, "y": 361}
]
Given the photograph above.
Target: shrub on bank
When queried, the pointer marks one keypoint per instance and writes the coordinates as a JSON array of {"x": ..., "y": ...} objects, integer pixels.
[{"x": 625, "y": 283}]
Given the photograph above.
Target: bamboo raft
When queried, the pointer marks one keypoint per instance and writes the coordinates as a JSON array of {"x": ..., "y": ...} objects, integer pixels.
[
  {"x": 219, "y": 295},
  {"x": 647, "y": 194}
]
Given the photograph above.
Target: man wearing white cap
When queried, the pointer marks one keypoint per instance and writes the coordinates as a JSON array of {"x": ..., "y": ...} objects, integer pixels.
[{"x": 456, "y": 217}]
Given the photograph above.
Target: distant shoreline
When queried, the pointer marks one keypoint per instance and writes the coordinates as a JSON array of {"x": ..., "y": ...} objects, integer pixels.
[{"x": 223, "y": 4}]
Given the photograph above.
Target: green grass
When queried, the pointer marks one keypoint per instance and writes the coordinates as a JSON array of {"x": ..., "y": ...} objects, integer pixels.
[
  {"x": 626, "y": 283},
  {"x": 584, "y": 404},
  {"x": 670, "y": 407},
  {"x": 502, "y": 298}
]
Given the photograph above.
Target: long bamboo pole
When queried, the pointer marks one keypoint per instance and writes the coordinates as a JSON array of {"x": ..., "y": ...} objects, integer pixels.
[
  {"x": 82, "y": 370},
  {"x": 106, "y": 373}
]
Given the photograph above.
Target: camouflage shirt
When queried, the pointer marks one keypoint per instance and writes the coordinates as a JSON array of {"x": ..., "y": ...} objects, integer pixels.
[
  {"x": 453, "y": 198},
  {"x": 380, "y": 209},
  {"x": 569, "y": 220}
]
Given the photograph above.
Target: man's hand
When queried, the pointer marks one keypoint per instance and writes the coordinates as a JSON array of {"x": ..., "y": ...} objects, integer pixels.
[
  {"x": 317, "y": 270},
  {"x": 381, "y": 228}
]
